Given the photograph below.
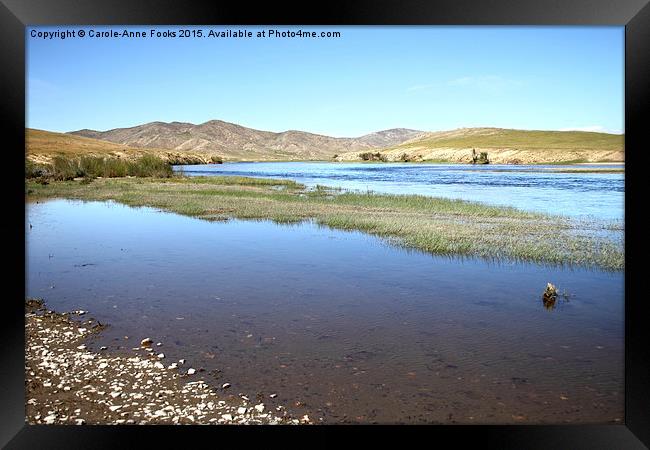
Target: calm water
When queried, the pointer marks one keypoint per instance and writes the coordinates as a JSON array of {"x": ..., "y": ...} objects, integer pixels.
[
  {"x": 355, "y": 329},
  {"x": 596, "y": 195}
]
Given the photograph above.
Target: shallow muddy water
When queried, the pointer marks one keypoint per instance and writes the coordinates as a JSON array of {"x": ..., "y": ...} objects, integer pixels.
[
  {"x": 352, "y": 328},
  {"x": 597, "y": 195}
]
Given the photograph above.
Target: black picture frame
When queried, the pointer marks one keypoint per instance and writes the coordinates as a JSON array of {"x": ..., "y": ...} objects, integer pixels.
[{"x": 15, "y": 15}]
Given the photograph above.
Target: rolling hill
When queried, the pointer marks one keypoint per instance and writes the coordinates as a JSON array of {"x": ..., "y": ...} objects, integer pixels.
[
  {"x": 505, "y": 146},
  {"x": 235, "y": 142},
  {"x": 42, "y": 145}
]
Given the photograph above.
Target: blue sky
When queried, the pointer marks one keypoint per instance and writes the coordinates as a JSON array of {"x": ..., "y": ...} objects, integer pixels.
[{"x": 369, "y": 79}]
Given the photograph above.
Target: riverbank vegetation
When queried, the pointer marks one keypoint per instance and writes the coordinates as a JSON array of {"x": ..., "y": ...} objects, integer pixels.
[
  {"x": 66, "y": 168},
  {"x": 434, "y": 225}
]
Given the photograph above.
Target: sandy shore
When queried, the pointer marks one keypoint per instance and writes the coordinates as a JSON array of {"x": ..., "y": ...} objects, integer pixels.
[{"x": 65, "y": 383}]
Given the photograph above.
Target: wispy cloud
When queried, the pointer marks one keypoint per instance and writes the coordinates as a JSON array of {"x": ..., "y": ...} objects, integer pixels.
[
  {"x": 492, "y": 84},
  {"x": 422, "y": 87},
  {"x": 486, "y": 83}
]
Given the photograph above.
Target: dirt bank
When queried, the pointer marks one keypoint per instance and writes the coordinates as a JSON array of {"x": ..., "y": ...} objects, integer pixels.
[{"x": 495, "y": 155}]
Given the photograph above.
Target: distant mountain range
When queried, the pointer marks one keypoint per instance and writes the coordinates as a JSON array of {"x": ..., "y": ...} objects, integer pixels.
[{"x": 235, "y": 142}]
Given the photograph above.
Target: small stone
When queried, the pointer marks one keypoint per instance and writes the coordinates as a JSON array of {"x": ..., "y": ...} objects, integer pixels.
[
  {"x": 81, "y": 313},
  {"x": 191, "y": 371},
  {"x": 181, "y": 361},
  {"x": 273, "y": 395},
  {"x": 80, "y": 421},
  {"x": 103, "y": 347},
  {"x": 172, "y": 366},
  {"x": 260, "y": 407},
  {"x": 158, "y": 365},
  {"x": 161, "y": 355},
  {"x": 102, "y": 366},
  {"x": 146, "y": 342},
  {"x": 227, "y": 416},
  {"x": 115, "y": 408},
  {"x": 225, "y": 385},
  {"x": 81, "y": 347},
  {"x": 158, "y": 344},
  {"x": 241, "y": 410}
]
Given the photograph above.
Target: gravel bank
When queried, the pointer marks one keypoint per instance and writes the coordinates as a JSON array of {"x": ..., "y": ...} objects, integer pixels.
[{"x": 65, "y": 383}]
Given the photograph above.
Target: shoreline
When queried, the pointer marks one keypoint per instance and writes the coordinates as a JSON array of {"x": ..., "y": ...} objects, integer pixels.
[{"x": 65, "y": 383}]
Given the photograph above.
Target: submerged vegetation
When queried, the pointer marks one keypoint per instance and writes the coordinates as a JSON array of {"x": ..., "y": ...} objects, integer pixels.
[
  {"x": 65, "y": 168},
  {"x": 434, "y": 225}
]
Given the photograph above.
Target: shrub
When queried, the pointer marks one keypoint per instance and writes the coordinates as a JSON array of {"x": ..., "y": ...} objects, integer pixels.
[{"x": 370, "y": 156}]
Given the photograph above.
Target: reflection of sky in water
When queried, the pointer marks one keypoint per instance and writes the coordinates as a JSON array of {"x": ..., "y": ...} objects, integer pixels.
[
  {"x": 334, "y": 315},
  {"x": 598, "y": 195}
]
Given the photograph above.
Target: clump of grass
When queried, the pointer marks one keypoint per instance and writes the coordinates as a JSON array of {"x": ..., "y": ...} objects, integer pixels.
[
  {"x": 33, "y": 170},
  {"x": 65, "y": 168}
]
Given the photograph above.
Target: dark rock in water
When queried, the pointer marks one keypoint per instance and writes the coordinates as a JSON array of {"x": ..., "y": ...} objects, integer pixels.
[
  {"x": 550, "y": 291},
  {"x": 550, "y": 296}
]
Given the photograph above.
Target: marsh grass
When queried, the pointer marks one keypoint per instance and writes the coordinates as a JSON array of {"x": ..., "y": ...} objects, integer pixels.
[{"x": 434, "y": 225}]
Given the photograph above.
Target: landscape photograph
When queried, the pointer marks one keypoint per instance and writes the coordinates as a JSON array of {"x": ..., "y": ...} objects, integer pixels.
[{"x": 324, "y": 225}]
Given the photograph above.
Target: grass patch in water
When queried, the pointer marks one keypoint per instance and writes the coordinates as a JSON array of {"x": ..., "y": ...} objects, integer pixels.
[{"x": 435, "y": 225}]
